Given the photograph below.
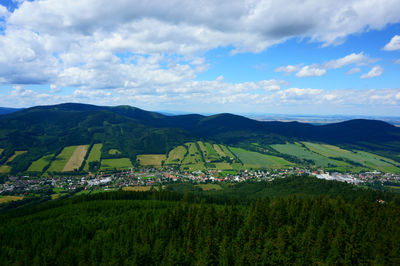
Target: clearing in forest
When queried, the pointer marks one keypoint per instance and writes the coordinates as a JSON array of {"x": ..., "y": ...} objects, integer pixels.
[
  {"x": 120, "y": 163},
  {"x": 176, "y": 155}
]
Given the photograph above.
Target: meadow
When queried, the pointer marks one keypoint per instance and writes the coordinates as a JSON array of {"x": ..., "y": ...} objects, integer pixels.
[
  {"x": 6, "y": 168},
  {"x": 76, "y": 159},
  {"x": 119, "y": 163},
  {"x": 151, "y": 159},
  {"x": 176, "y": 155},
  {"x": 193, "y": 156},
  {"x": 62, "y": 159},
  {"x": 114, "y": 152},
  {"x": 94, "y": 155},
  {"x": 39, "y": 165},
  {"x": 257, "y": 160}
]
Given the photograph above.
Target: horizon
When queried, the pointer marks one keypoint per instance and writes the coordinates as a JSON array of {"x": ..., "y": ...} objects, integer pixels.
[{"x": 225, "y": 57}]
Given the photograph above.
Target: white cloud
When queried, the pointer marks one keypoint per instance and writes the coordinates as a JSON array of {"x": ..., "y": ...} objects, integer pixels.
[
  {"x": 311, "y": 71},
  {"x": 394, "y": 44},
  {"x": 359, "y": 59},
  {"x": 353, "y": 71},
  {"x": 376, "y": 71},
  {"x": 397, "y": 61},
  {"x": 287, "y": 69},
  {"x": 3, "y": 11}
]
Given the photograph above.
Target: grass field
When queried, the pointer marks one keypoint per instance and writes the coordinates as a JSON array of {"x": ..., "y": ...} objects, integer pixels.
[
  {"x": 120, "y": 163},
  {"x": 227, "y": 151},
  {"x": 257, "y": 160},
  {"x": 211, "y": 153},
  {"x": 176, "y": 155},
  {"x": 62, "y": 159},
  {"x": 39, "y": 165},
  {"x": 76, "y": 159},
  {"x": 219, "y": 150},
  {"x": 223, "y": 166},
  {"x": 206, "y": 187},
  {"x": 151, "y": 159},
  {"x": 94, "y": 155},
  {"x": 113, "y": 151},
  {"x": 194, "y": 167},
  {"x": 1, "y": 151},
  {"x": 4, "y": 199},
  {"x": 193, "y": 156},
  {"x": 368, "y": 160},
  {"x": 303, "y": 153},
  {"x": 16, "y": 153}
]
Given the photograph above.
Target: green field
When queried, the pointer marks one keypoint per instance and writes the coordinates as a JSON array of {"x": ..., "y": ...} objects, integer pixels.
[
  {"x": 114, "y": 151},
  {"x": 193, "y": 156},
  {"x": 303, "y": 153},
  {"x": 94, "y": 155},
  {"x": 151, "y": 159},
  {"x": 223, "y": 166},
  {"x": 176, "y": 155},
  {"x": 62, "y": 159},
  {"x": 257, "y": 160},
  {"x": 1, "y": 151},
  {"x": 16, "y": 153},
  {"x": 227, "y": 152},
  {"x": 366, "y": 159},
  {"x": 120, "y": 163},
  {"x": 194, "y": 167},
  {"x": 6, "y": 168},
  {"x": 39, "y": 165},
  {"x": 209, "y": 154},
  {"x": 219, "y": 150}
]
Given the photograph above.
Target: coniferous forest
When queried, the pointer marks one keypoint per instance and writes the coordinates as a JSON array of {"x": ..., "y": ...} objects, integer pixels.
[{"x": 172, "y": 228}]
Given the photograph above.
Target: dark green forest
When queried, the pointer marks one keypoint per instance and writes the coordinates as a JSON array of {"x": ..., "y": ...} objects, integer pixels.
[{"x": 192, "y": 228}]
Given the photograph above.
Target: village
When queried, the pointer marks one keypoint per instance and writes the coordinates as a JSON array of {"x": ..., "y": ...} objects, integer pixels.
[{"x": 148, "y": 177}]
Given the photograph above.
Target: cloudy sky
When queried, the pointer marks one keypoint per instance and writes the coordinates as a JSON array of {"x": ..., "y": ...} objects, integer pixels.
[{"x": 286, "y": 56}]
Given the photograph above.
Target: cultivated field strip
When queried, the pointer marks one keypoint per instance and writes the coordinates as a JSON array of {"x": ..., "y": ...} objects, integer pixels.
[
  {"x": 39, "y": 165},
  {"x": 119, "y": 163},
  {"x": 76, "y": 159},
  {"x": 94, "y": 155},
  {"x": 176, "y": 155},
  {"x": 151, "y": 159}
]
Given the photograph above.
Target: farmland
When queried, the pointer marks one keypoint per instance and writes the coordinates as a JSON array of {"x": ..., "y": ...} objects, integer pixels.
[
  {"x": 1, "y": 151},
  {"x": 4, "y": 199},
  {"x": 193, "y": 156},
  {"x": 6, "y": 168},
  {"x": 208, "y": 151},
  {"x": 151, "y": 159},
  {"x": 218, "y": 149},
  {"x": 16, "y": 153},
  {"x": 62, "y": 159},
  {"x": 39, "y": 165},
  {"x": 76, "y": 158},
  {"x": 257, "y": 160},
  {"x": 120, "y": 163},
  {"x": 94, "y": 155},
  {"x": 364, "y": 160},
  {"x": 297, "y": 150},
  {"x": 176, "y": 155},
  {"x": 206, "y": 187}
]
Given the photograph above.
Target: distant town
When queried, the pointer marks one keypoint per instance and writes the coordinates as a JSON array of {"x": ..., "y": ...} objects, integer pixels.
[{"x": 142, "y": 179}]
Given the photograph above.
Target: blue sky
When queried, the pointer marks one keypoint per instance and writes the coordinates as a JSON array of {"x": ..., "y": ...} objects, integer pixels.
[{"x": 287, "y": 57}]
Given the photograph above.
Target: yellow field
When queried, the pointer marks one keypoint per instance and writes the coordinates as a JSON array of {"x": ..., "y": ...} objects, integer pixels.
[
  {"x": 76, "y": 159},
  {"x": 1, "y": 151},
  {"x": 137, "y": 188},
  {"x": 5, "y": 199},
  {"x": 151, "y": 159}
]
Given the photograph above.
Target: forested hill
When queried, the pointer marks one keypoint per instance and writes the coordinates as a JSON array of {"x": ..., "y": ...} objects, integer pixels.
[{"x": 134, "y": 131}]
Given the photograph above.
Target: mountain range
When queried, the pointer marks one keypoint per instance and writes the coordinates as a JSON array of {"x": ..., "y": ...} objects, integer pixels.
[{"x": 47, "y": 129}]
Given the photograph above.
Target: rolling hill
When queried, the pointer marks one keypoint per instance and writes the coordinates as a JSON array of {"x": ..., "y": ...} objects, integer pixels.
[{"x": 44, "y": 130}]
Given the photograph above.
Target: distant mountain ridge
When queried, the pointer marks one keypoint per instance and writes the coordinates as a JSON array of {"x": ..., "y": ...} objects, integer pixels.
[
  {"x": 6, "y": 110},
  {"x": 133, "y": 131}
]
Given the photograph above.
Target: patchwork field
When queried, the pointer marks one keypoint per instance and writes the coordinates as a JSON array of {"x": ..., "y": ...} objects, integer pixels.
[
  {"x": 193, "y": 156},
  {"x": 223, "y": 166},
  {"x": 120, "y": 163},
  {"x": 206, "y": 187},
  {"x": 194, "y": 167},
  {"x": 76, "y": 159},
  {"x": 257, "y": 160},
  {"x": 1, "y": 151},
  {"x": 94, "y": 155},
  {"x": 208, "y": 151},
  {"x": 297, "y": 150},
  {"x": 137, "y": 188},
  {"x": 62, "y": 159},
  {"x": 6, "y": 168},
  {"x": 219, "y": 150},
  {"x": 227, "y": 151},
  {"x": 176, "y": 155},
  {"x": 365, "y": 159},
  {"x": 151, "y": 159},
  {"x": 39, "y": 165}
]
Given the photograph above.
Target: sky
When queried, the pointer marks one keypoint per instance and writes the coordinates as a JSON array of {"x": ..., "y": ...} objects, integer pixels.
[{"x": 210, "y": 56}]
